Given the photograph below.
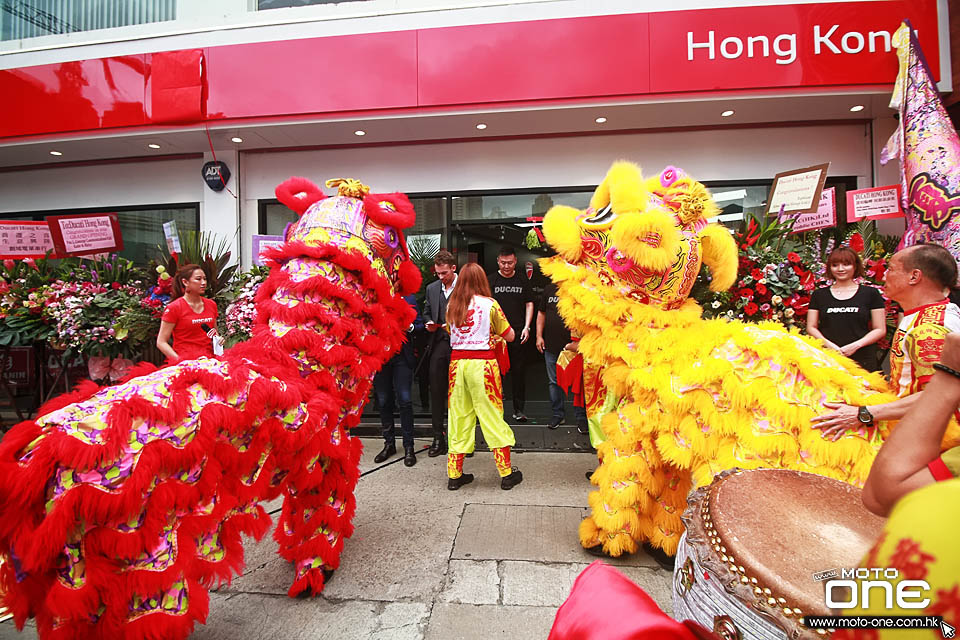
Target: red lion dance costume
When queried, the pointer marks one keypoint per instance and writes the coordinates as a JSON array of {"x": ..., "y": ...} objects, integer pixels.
[{"x": 123, "y": 505}]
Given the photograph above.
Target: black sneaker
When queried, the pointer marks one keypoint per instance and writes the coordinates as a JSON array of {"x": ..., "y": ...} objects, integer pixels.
[
  {"x": 455, "y": 483},
  {"x": 583, "y": 427},
  {"x": 556, "y": 422},
  {"x": 512, "y": 480}
]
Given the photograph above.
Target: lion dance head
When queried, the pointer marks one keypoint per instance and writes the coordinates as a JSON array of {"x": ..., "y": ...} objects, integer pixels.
[{"x": 642, "y": 239}]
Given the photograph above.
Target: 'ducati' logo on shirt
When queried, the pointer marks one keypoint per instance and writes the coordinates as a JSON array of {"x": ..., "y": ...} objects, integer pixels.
[
  {"x": 843, "y": 309},
  {"x": 506, "y": 289},
  {"x": 201, "y": 320}
]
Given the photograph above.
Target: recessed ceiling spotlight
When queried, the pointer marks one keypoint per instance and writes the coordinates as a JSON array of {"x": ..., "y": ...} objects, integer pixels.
[
  {"x": 856, "y": 107},
  {"x": 236, "y": 139},
  {"x": 600, "y": 120},
  {"x": 153, "y": 145},
  {"x": 55, "y": 153},
  {"x": 481, "y": 126},
  {"x": 359, "y": 132},
  {"x": 727, "y": 113}
]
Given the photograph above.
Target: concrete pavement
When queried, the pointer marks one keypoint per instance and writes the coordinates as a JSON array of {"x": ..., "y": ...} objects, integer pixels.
[{"x": 428, "y": 563}]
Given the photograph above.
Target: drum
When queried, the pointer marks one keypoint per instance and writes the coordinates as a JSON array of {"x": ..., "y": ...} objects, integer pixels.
[{"x": 754, "y": 540}]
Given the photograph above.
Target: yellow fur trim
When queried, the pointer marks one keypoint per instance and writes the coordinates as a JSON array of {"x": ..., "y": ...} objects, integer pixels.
[
  {"x": 561, "y": 231},
  {"x": 651, "y": 239},
  {"x": 622, "y": 188},
  {"x": 720, "y": 254}
]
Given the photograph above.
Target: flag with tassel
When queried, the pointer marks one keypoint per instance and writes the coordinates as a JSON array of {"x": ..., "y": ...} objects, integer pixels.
[{"x": 928, "y": 148}]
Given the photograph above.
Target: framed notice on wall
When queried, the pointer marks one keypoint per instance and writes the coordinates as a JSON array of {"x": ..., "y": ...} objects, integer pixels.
[
  {"x": 874, "y": 204},
  {"x": 24, "y": 239},
  {"x": 797, "y": 191},
  {"x": 85, "y": 234}
]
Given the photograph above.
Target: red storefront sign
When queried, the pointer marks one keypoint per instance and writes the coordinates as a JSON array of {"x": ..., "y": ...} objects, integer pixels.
[{"x": 728, "y": 49}]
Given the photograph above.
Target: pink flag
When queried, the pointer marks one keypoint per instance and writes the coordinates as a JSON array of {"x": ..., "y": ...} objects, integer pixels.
[{"x": 929, "y": 151}]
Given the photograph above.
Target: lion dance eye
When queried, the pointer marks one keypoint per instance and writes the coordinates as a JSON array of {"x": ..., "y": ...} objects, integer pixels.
[{"x": 391, "y": 237}]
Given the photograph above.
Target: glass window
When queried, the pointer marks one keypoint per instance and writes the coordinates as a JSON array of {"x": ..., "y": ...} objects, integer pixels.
[
  {"x": 526, "y": 205},
  {"x": 274, "y": 218},
  {"x": 33, "y": 18},
  {"x": 143, "y": 230}
]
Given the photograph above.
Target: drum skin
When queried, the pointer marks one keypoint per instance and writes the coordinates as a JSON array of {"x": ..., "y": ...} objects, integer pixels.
[{"x": 753, "y": 541}]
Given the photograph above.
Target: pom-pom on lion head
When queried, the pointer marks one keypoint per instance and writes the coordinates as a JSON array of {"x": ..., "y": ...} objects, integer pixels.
[
  {"x": 645, "y": 239},
  {"x": 355, "y": 220}
]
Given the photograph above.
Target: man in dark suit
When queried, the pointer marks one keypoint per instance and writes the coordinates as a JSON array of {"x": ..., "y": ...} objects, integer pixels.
[
  {"x": 392, "y": 386},
  {"x": 435, "y": 313}
]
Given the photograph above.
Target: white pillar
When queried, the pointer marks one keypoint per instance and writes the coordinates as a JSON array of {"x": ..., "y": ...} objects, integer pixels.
[{"x": 220, "y": 210}]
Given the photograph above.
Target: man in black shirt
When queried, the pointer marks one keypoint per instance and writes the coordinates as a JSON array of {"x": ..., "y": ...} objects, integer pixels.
[
  {"x": 515, "y": 296},
  {"x": 552, "y": 337}
]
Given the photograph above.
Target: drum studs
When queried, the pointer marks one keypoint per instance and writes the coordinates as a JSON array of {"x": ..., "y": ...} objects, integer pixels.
[
  {"x": 716, "y": 548},
  {"x": 797, "y": 612},
  {"x": 724, "y": 558},
  {"x": 781, "y": 601},
  {"x": 766, "y": 591},
  {"x": 787, "y": 611},
  {"x": 741, "y": 569},
  {"x": 771, "y": 601},
  {"x": 733, "y": 568},
  {"x": 723, "y": 549},
  {"x": 757, "y": 590},
  {"x": 744, "y": 579},
  {"x": 753, "y": 580}
]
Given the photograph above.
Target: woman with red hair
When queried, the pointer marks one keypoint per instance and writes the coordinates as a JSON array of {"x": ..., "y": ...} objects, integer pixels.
[{"x": 476, "y": 322}]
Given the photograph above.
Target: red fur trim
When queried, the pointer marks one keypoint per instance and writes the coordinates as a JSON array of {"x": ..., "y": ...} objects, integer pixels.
[
  {"x": 402, "y": 217},
  {"x": 410, "y": 278},
  {"x": 298, "y": 194},
  {"x": 312, "y": 580}
]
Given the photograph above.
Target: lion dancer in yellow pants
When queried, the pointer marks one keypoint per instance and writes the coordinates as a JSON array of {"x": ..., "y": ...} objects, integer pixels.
[{"x": 476, "y": 322}]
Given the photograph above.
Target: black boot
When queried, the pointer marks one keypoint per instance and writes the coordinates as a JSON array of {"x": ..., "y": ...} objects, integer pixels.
[
  {"x": 510, "y": 481},
  {"x": 389, "y": 449},
  {"x": 455, "y": 483},
  {"x": 409, "y": 457},
  {"x": 438, "y": 447}
]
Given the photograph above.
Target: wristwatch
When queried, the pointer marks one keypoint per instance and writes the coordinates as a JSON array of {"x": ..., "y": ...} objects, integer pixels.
[{"x": 864, "y": 416}]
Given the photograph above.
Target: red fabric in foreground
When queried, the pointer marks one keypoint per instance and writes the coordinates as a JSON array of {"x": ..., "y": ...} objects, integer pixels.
[{"x": 606, "y": 605}]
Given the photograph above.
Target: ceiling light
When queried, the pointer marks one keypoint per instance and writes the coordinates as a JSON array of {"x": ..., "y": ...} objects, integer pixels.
[
  {"x": 359, "y": 132},
  {"x": 600, "y": 120},
  {"x": 855, "y": 108},
  {"x": 727, "y": 113},
  {"x": 236, "y": 139},
  {"x": 55, "y": 153},
  {"x": 481, "y": 126},
  {"x": 153, "y": 145}
]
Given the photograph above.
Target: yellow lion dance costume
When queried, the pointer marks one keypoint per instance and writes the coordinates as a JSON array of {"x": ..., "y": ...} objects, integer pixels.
[{"x": 696, "y": 396}]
